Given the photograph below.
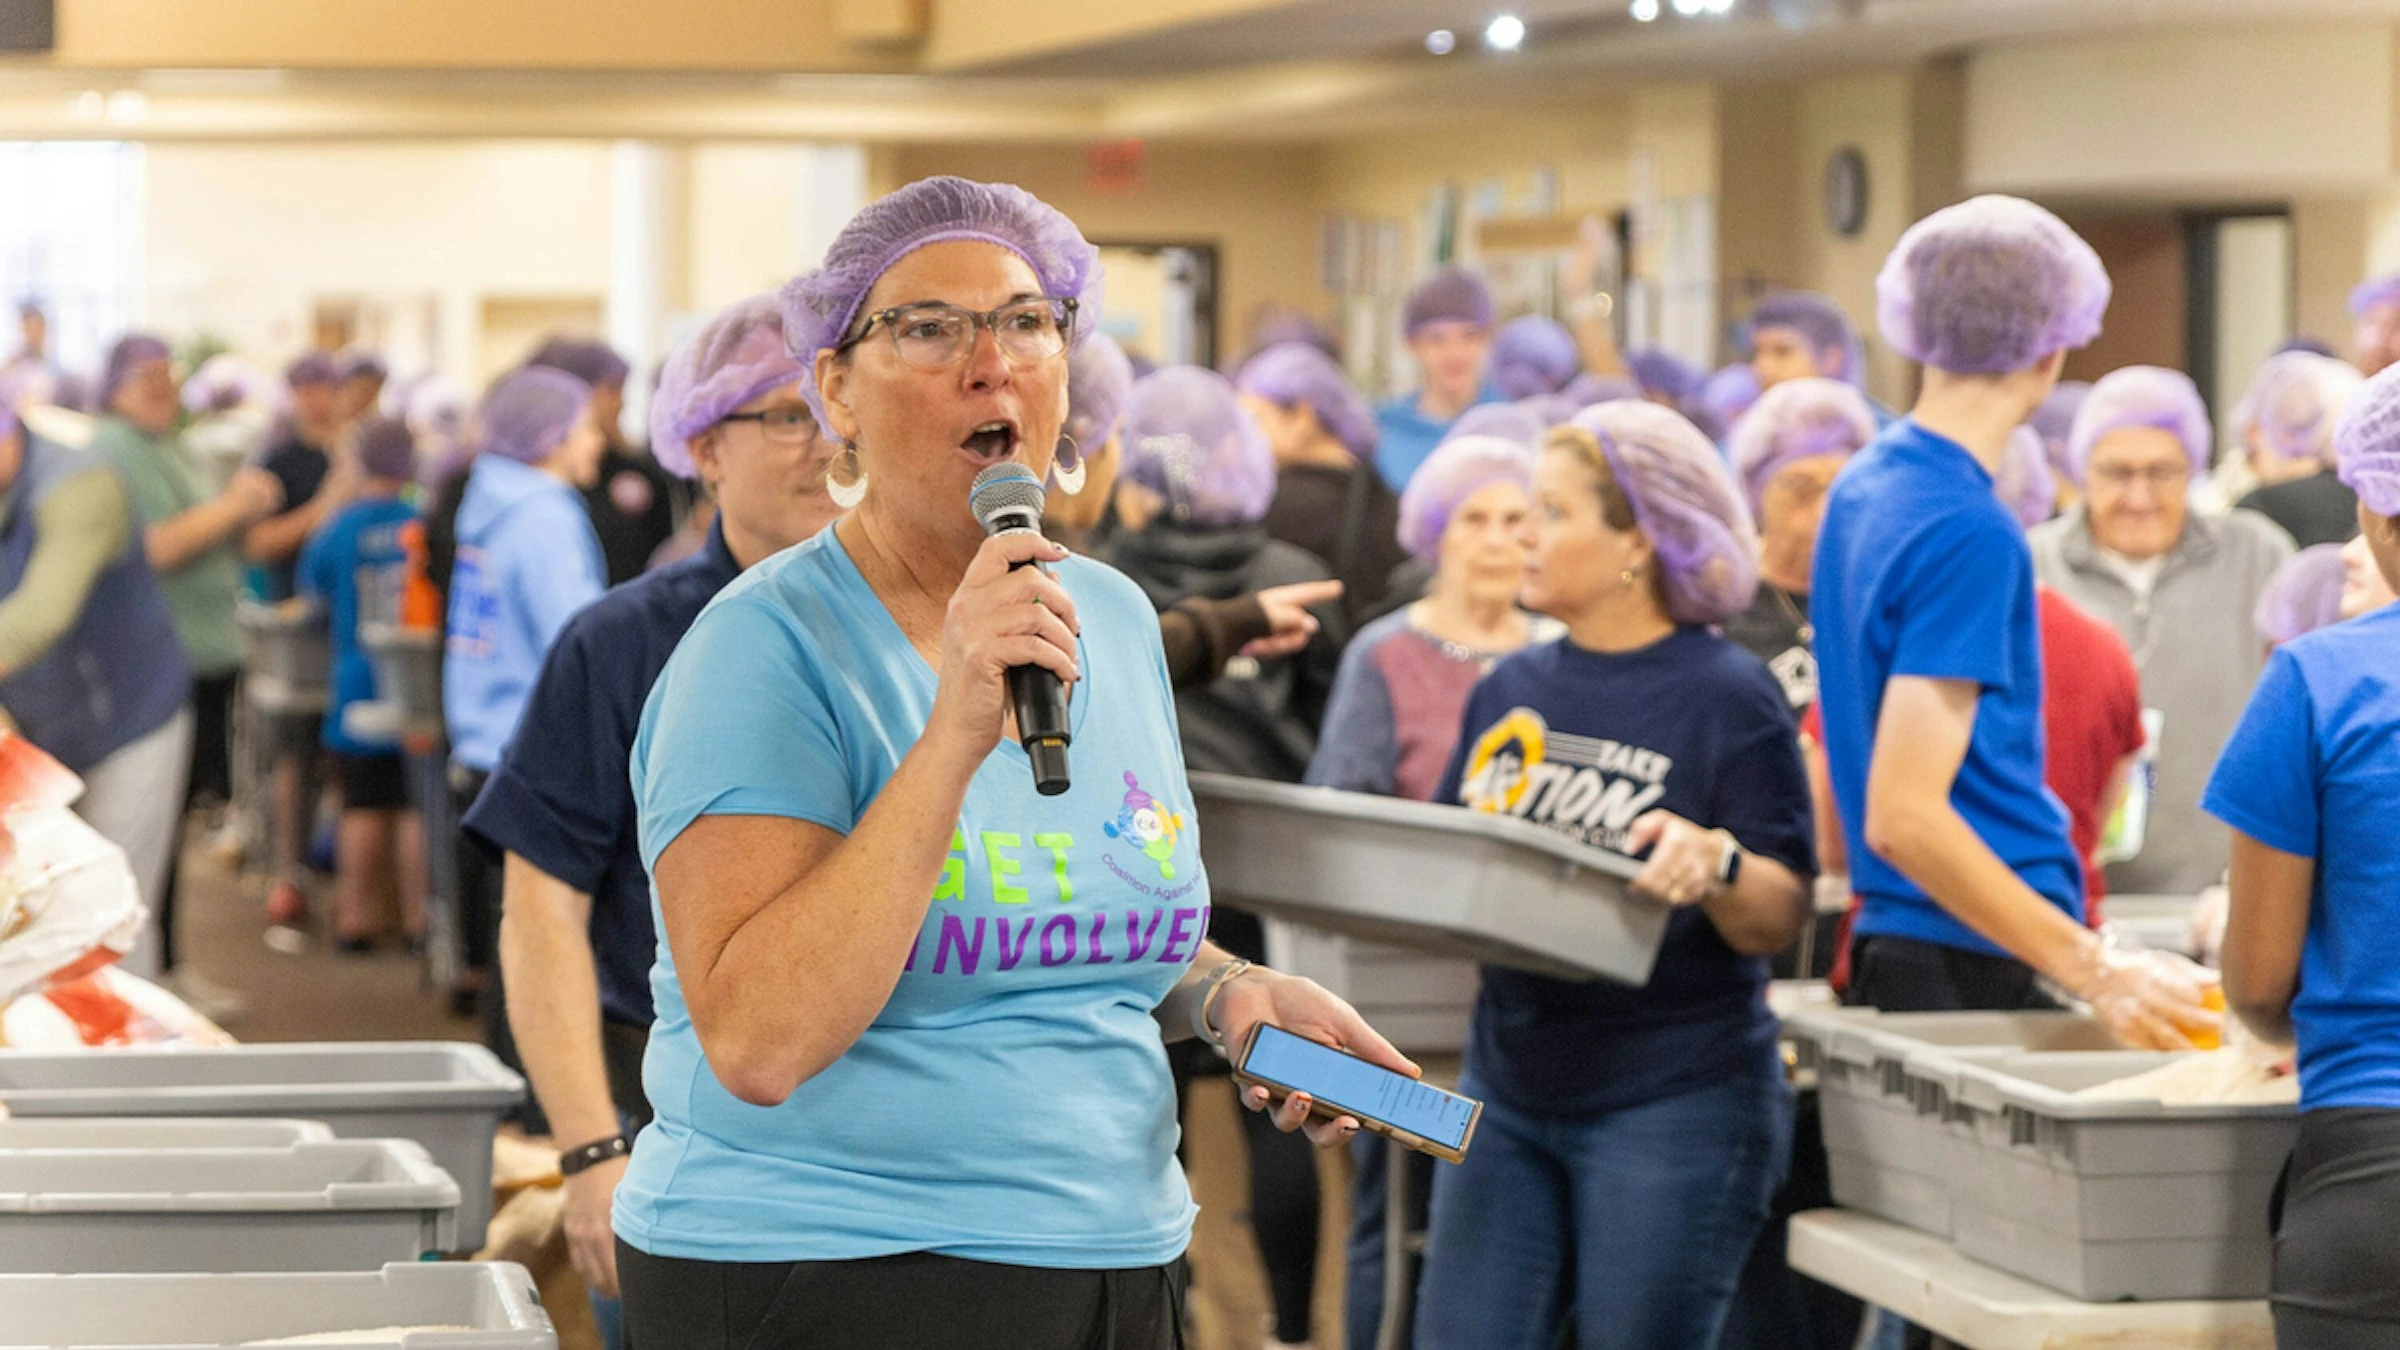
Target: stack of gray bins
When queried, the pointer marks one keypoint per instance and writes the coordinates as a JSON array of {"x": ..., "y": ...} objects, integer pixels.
[
  {"x": 1968, "y": 1126},
  {"x": 446, "y": 1306}
]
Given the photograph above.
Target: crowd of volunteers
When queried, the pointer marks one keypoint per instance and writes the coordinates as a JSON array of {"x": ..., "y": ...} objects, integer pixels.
[{"x": 845, "y": 1027}]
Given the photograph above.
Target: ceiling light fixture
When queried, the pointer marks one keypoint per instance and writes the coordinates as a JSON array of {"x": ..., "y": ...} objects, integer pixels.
[
  {"x": 1688, "y": 8},
  {"x": 1645, "y": 11},
  {"x": 1441, "y": 42},
  {"x": 1718, "y": 6},
  {"x": 128, "y": 105},
  {"x": 1505, "y": 33}
]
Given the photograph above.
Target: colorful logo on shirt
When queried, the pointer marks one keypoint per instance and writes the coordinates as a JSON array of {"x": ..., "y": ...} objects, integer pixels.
[
  {"x": 1589, "y": 789},
  {"x": 1145, "y": 822}
]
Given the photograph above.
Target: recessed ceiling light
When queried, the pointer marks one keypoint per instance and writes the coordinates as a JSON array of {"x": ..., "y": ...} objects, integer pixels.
[
  {"x": 1688, "y": 8},
  {"x": 1441, "y": 42},
  {"x": 1718, "y": 6},
  {"x": 1505, "y": 33},
  {"x": 1645, "y": 11}
]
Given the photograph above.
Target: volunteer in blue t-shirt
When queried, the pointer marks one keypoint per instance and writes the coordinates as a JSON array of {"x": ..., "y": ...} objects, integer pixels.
[
  {"x": 1929, "y": 663},
  {"x": 1447, "y": 322},
  {"x": 908, "y": 1068},
  {"x": 355, "y": 566},
  {"x": 1631, "y": 1138},
  {"x": 2310, "y": 784}
]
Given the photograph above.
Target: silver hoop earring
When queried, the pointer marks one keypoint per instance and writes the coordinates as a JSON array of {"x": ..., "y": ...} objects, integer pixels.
[
  {"x": 1067, "y": 469},
  {"x": 846, "y": 495}
]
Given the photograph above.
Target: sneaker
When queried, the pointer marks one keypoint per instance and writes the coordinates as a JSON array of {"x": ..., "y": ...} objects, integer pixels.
[{"x": 207, "y": 997}]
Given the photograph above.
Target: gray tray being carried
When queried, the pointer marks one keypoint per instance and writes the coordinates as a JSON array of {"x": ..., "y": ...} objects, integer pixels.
[
  {"x": 494, "y": 1302},
  {"x": 337, "y": 1205},
  {"x": 1440, "y": 879}
]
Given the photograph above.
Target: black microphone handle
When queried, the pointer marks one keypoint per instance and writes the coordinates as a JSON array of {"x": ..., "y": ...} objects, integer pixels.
[{"x": 1040, "y": 700}]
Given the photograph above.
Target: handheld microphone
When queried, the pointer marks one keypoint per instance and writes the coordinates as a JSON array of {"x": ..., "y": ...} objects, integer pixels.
[{"x": 1007, "y": 499}]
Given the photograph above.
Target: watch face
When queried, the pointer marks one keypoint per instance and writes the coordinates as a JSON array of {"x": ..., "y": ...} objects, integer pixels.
[{"x": 1846, "y": 191}]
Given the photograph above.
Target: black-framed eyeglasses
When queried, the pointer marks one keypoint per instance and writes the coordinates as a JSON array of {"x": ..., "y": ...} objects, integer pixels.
[
  {"x": 931, "y": 335},
  {"x": 791, "y": 426}
]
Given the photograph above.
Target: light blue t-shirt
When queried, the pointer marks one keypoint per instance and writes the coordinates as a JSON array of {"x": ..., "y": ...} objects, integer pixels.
[
  {"x": 1012, "y": 1102},
  {"x": 528, "y": 559},
  {"x": 2312, "y": 770},
  {"x": 1406, "y": 437}
]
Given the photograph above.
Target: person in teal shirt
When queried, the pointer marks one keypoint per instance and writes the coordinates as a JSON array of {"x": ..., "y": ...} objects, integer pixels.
[
  {"x": 909, "y": 1067},
  {"x": 1448, "y": 323}
]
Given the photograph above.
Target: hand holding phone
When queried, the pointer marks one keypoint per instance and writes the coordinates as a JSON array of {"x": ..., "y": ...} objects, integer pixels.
[{"x": 1407, "y": 1112}]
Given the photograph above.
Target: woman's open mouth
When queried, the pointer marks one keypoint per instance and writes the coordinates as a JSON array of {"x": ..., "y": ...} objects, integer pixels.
[{"x": 990, "y": 443}]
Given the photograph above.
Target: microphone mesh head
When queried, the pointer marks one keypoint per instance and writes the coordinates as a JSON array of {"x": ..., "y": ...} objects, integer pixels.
[{"x": 1004, "y": 490}]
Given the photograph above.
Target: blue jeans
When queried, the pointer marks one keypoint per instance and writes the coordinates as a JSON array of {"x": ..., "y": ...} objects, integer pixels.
[
  {"x": 1637, "y": 1221},
  {"x": 1370, "y": 1197}
]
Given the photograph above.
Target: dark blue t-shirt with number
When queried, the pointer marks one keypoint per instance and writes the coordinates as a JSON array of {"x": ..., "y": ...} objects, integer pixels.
[{"x": 1584, "y": 743}]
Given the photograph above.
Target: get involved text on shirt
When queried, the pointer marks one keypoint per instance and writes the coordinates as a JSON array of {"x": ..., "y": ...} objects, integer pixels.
[{"x": 1584, "y": 743}]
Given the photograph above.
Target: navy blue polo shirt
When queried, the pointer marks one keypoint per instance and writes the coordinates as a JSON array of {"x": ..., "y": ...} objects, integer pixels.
[
  {"x": 1920, "y": 571},
  {"x": 562, "y": 798}
]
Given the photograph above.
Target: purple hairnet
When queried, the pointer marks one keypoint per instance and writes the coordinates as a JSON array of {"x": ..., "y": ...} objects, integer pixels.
[
  {"x": 1534, "y": 354},
  {"x": 222, "y": 383},
  {"x": 588, "y": 359},
  {"x": 530, "y": 413},
  {"x": 2294, "y": 404},
  {"x": 1588, "y": 389},
  {"x": 1461, "y": 467},
  {"x": 132, "y": 350},
  {"x": 1279, "y": 326},
  {"x": 2140, "y": 396},
  {"x": 820, "y": 306},
  {"x": 1454, "y": 294},
  {"x": 1724, "y": 397},
  {"x": 2305, "y": 343},
  {"x": 2304, "y": 595},
  {"x": 1550, "y": 410},
  {"x": 1990, "y": 286},
  {"x": 1502, "y": 421},
  {"x": 1099, "y": 379},
  {"x": 737, "y": 356},
  {"x": 1184, "y": 436},
  {"x": 1685, "y": 501},
  {"x": 2025, "y": 484},
  {"x": 1293, "y": 373},
  {"x": 2374, "y": 291},
  {"x": 363, "y": 366},
  {"x": 1664, "y": 375},
  {"x": 1817, "y": 319},
  {"x": 2366, "y": 450},
  {"x": 1797, "y": 420},
  {"x": 387, "y": 449},
  {"x": 314, "y": 368},
  {"x": 2054, "y": 422}
]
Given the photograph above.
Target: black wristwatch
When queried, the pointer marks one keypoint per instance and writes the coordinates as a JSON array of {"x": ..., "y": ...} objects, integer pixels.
[
  {"x": 593, "y": 1154},
  {"x": 1729, "y": 867}
]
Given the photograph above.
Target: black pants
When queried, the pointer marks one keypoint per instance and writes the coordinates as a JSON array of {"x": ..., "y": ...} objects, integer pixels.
[
  {"x": 2336, "y": 1219},
  {"x": 918, "y": 1300},
  {"x": 209, "y": 777},
  {"x": 1895, "y": 974}
]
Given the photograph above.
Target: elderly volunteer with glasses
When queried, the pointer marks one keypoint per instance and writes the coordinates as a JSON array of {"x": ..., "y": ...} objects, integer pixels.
[{"x": 908, "y": 1067}]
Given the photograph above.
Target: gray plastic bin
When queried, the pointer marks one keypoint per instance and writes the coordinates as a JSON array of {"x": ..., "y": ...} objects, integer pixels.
[
  {"x": 287, "y": 657},
  {"x": 2107, "y": 1199},
  {"x": 200, "y": 1132},
  {"x": 349, "y": 1204},
  {"x": 408, "y": 673},
  {"x": 447, "y": 1096},
  {"x": 1883, "y": 1125},
  {"x": 1439, "y": 879},
  {"x": 1420, "y": 1002},
  {"x": 228, "y": 1312}
]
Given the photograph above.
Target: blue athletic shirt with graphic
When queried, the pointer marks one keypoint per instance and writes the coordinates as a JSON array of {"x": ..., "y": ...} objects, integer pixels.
[{"x": 1012, "y": 1101}]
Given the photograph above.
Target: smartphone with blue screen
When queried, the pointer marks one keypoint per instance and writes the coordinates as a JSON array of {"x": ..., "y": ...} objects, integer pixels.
[{"x": 1409, "y": 1113}]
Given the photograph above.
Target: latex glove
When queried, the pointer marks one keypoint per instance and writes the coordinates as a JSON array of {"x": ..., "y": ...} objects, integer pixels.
[{"x": 2152, "y": 1000}]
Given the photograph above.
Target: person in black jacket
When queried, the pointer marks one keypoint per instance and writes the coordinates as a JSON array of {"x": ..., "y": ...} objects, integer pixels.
[{"x": 1328, "y": 499}]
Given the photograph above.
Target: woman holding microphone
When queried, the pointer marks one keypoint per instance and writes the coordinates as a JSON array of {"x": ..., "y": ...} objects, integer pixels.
[{"x": 908, "y": 1065}]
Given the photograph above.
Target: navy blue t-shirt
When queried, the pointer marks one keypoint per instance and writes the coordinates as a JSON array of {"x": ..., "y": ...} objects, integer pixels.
[
  {"x": 1921, "y": 571},
  {"x": 1585, "y": 743},
  {"x": 562, "y": 798}
]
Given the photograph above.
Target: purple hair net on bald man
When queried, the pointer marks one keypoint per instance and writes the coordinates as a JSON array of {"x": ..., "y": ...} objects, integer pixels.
[
  {"x": 2295, "y": 403},
  {"x": 1454, "y": 294},
  {"x": 1724, "y": 397},
  {"x": 363, "y": 366},
  {"x": 1797, "y": 420},
  {"x": 530, "y": 413},
  {"x": 1458, "y": 469},
  {"x": 132, "y": 351},
  {"x": 1503, "y": 421},
  {"x": 1292, "y": 373},
  {"x": 1664, "y": 375},
  {"x": 1185, "y": 437},
  {"x": 737, "y": 356},
  {"x": 1533, "y": 354},
  {"x": 1820, "y": 322},
  {"x": 588, "y": 359},
  {"x": 820, "y": 306},
  {"x": 2140, "y": 396},
  {"x": 314, "y": 368},
  {"x": 2025, "y": 484},
  {"x": 2374, "y": 291},
  {"x": 2366, "y": 450},
  {"x": 2304, "y": 595},
  {"x": 2054, "y": 422},
  {"x": 1990, "y": 286},
  {"x": 1099, "y": 380},
  {"x": 1684, "y": 500},
  {"x": 387, "y": 449}
]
